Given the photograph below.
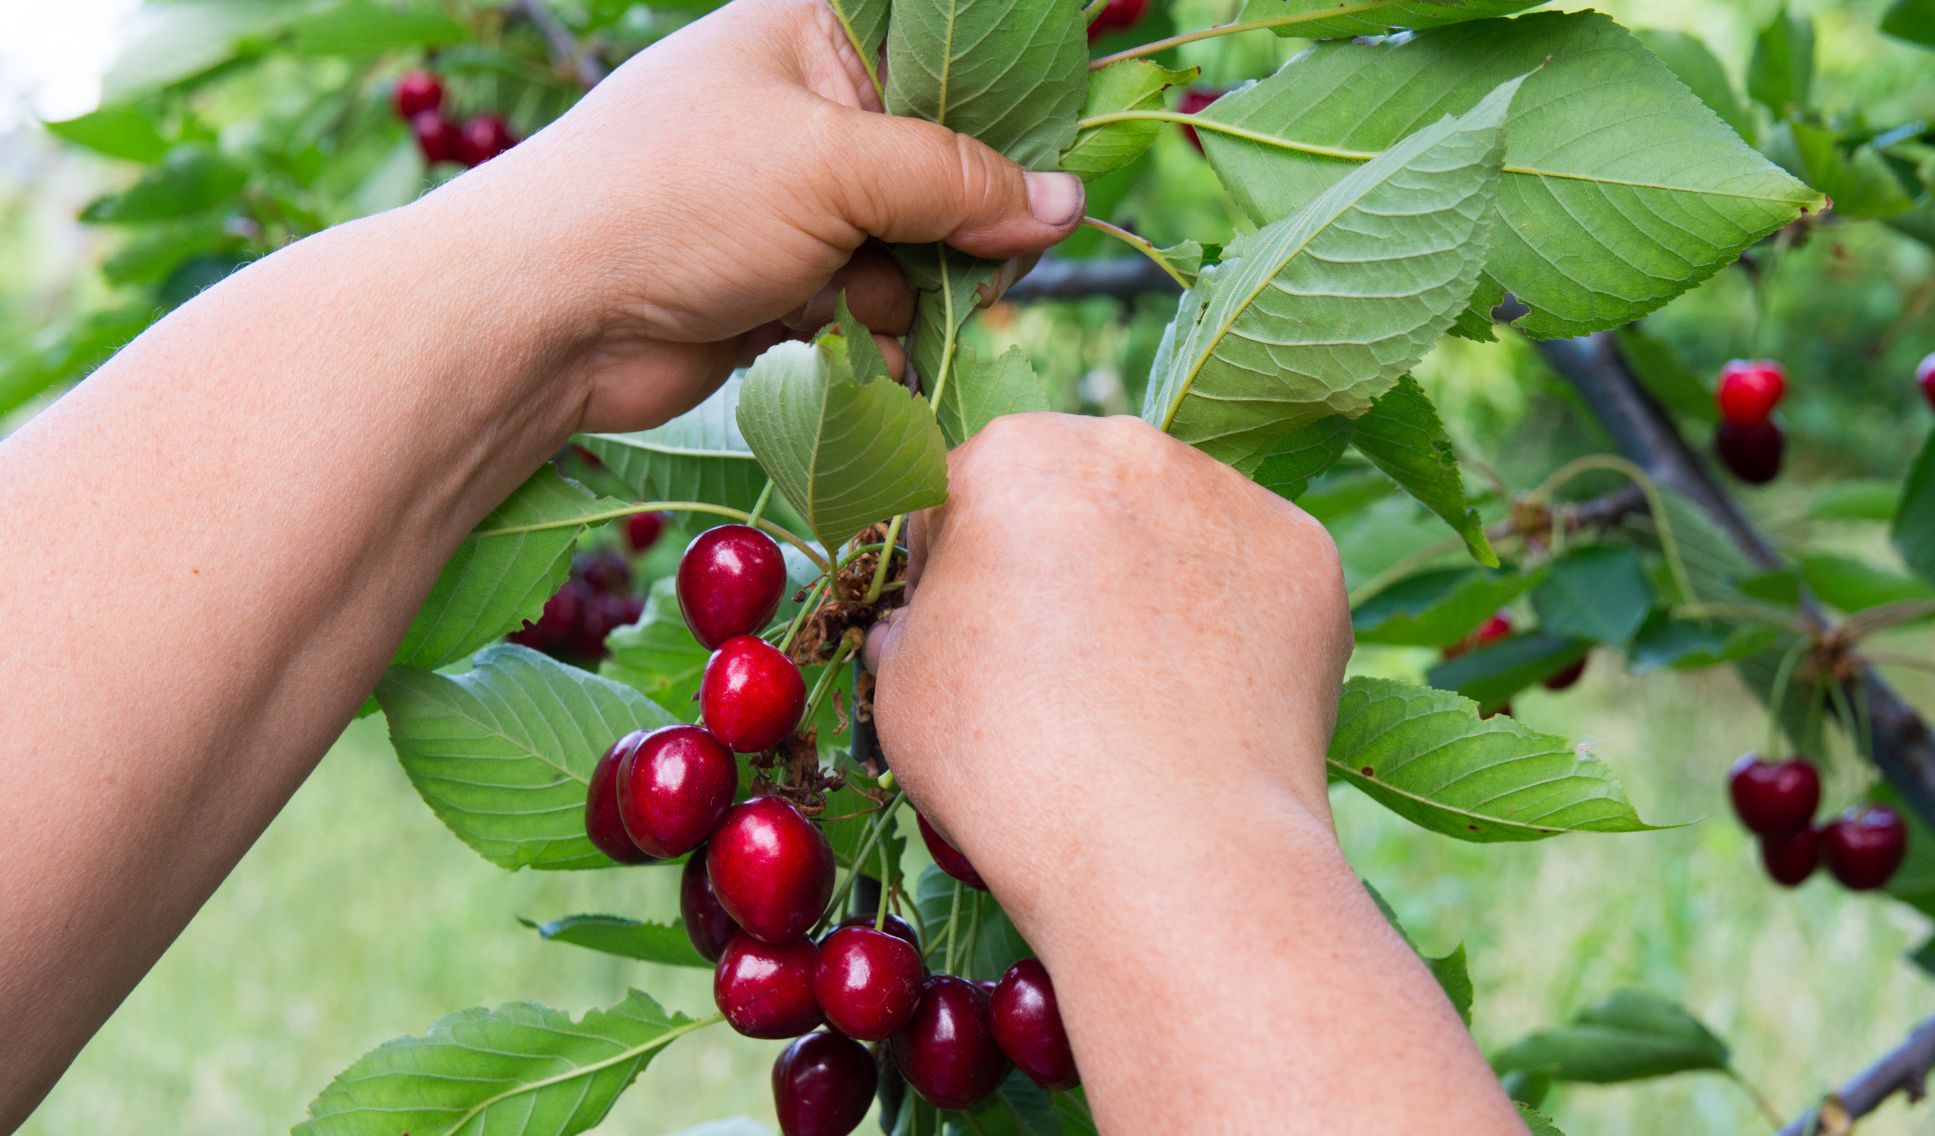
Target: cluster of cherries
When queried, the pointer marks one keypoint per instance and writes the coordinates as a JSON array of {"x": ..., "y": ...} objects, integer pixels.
[
  {"x": 1749, "y": 441},
  {"x": 1499, "y": 626},
  {"x": 1117, "y": 16},
  {"x": 594, "y": 602},
  {"x": 760, "y": 875},
  {"x": 478, "y": 139},
  {"x": 1776, "y": 801}
]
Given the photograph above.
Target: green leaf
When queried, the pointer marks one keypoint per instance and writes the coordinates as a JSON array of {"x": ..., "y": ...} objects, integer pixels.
[
  {"x": 1490, "y": 675},
  {"x": 1538, "y": 1125},
  {"x": 1018, "y": 1107},
  {"x": 1012, "y": 73},
  {"x": 978, "y": 393},
  {"x": 1303, "y": 454},
  {"x": 1851, "y": 585},
  {"x": 1687, "y": 644},
  {"x": 1694, "y": 64},
  {"x": 1189, "y": 258},
  {"x": 188, "y": 38},
  {"x": 1454, "y": 975},
  {"x": 989, "y": 952},
  {"x": 1604, "y": 150},
  {"x": 845, "y": 453},
  {"x": 1344, "y": 491},
  {"x": 1129, "y": 84},
  {"x": 1426, "y": 755},
  {"x": 70, "y": 350},
  {"x": 1912, "y": 20},
  {"x": 158, "y": 250},
  {"x": 1671, "y": 382},
  {"x": 1781, "y": 73},
  {"x": 1320, "y": 313},
  {"x": 1867, "y": 499},
  {"x": 521, "y": 1068},
  {"x": 849, "y": 817},
  {"x": 1628, "y": 1037},
  {"x": 1376, "y": 18},
  {"x": 492, "y": 584},
  {"x": 658, "y": 655},
  {"x": 1913, "y": 529},
  {"x": 865, "y": 22},
  {"x": 869, "y": 365},
  {"x": 1598, "y": 592},
  {"x": 698, "y": 456},
  {"x": 364, "y": 27},
  {"x": 1858, "y": 182},
  {"x": 117, "y": 131},
  {"x": 1403, "y": 436},
  {"x": 948, "y": 284},
  {"x": 502, "y": 754},
  {"x": 1437, "y": 608},
  {"x": 614, "y": 935},
  {"x": 193, "y": 177}
]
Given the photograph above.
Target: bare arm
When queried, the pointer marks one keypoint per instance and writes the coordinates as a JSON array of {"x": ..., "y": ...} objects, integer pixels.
[{"x": 213, "y": 545}]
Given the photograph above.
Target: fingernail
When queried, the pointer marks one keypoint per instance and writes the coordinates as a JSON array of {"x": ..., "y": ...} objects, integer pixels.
[{"x": 1054, "y": 199}]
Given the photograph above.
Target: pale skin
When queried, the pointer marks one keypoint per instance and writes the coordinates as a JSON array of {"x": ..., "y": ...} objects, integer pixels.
[{"x": 1113, "y": 685}]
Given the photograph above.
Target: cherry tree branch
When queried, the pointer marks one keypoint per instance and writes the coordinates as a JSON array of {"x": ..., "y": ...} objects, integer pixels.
[
  {"x": 565, "y": 48},
  {"x": 1905, "y": 1070}
]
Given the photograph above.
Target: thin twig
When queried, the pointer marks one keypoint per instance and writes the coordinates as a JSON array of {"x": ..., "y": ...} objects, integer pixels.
[
  {"x": 565, "y": 48},
  {"x": 1903, "y": 1070}
]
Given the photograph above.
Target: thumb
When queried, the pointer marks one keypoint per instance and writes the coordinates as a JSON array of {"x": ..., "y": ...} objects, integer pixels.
[{"x": 904, "y": 179}]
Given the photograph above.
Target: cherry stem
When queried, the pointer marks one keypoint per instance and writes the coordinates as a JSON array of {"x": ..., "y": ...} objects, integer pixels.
[
  {"x": 953, "y": 329},
  {"x": 886, "y": 872},
  {"x": 953, "y": 916},
  {"x": 767, "y": 527},
  {"x": 1200, "y": 123},
  {"x": 886, "y": 558},
  {"x": 1655, "y": 503},
  {"x": 1897, "y": 659},
  {"x": 1094, "y": 10},
  {"x": 866, "y": 849},
  {"x": 1778, "y": 695},
  {"x": 1162, "y": 45},
  {"x": 827, "y": 678},
  {"x": 1759, "y": 1098},
  {"x": 1139, "y": 244},
  {"x": 759, "y": 506},
  {"x": 799, "y": 617},
  {"x": 1844, "y": 710}
]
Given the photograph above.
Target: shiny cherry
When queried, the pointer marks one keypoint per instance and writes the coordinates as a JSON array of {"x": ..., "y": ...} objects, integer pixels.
[
  {"x": 948, "y": 857},
  {"x": 751, "y": 696},
  {"x": 1564, "y": 679},
  {"x": 484, "y": 137},
  {"x": 416, "y": 92},
  {"x": 894, "y": 925},
  {"x": 730, "y": 581},
  {"x": 1925, "y": 377},
  {"x": 771, "y": 868},
  {"x": 673, "y": 787},
  {"x": 603, "y": 824},
  {"x": 437, "y": 137},
  {"x": 947, "y": 1052},
  {"x": 867, "y": 982},
  {"x": 1774, "y": 799},
  {"x": 1791, "y": 859},
  {"x": 765, "y": 990},
  {"x": 1752, "y": 451},
  {"x": 823, "y": 1085},
  {"x": 706, "y": 922},
  {"x": 1028, "y": 1026},
  {"x": 1865, "y": 845},
  {"x": 1192, "y": 102},
  {"x": 642, "y": 530},
  {"x": 1749, "y": 390}
]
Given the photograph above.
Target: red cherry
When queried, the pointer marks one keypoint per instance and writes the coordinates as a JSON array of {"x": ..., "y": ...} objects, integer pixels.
[
  {"x": 1865, "y": 845},
  {"x": 1117, "y": 15},
  {"x": 765, "y": 990},
  {"x": 730, "y": 581},
  {"x": 867, "y": 982},
  {"x": 673, "y": 787},
  {"x": 1749, "y": 390},
  {"x": 1193, "y": 101},
  {"x": 823, "y": 1085},
  {"x": 1565, "y": 678},
  {"x": 602, "y": 821},
  {"x": 750, "y": 695},
  {"x": 1028, "y": 1026},
  {"x": 948, "y": 857},
  {"x": 1499, "y": 626},
  {"x": 706, "y": 922},
  {"x": 1751, "y": 451},
  {"x": 771, "y": 868},
  {"x": 1774, "y": 800},
  {"x": 416, "y": 92},
  {"x": 1791, "y": 859},
  {"x": 893, "y": 925},
  {"x": 642, "y": 530},
  {"x": 1925, "y": 377},
  {"x": 605, "y": 570},
  {"x": 437, "y": 136},
  {"x": 947, "y": 1052},
  {"x": 484, "y": 137}
]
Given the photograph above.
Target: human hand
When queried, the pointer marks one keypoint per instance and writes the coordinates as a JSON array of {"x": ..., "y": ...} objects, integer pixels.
[{"x": 716, "y": 193}]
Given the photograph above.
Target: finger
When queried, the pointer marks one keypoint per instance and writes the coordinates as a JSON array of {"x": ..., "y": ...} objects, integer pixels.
[
  {"x": 910, "y": 180},
  {"x": 989, "y": 294},
  {"x": 895, "y": 355},
  {"x": 877, "y": 294}
]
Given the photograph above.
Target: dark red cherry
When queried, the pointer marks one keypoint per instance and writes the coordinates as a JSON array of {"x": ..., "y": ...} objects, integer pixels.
[
  {"x": 1774, "y": 799},
  {"x": 1925, "y": 377},
  {"x": 484, "y": 137},
  {"x": 1028, "y": 1026},
  {"x": 706, "y": 922},
  {"x": 1791, "y": 859},
  {"x": 603, "y": 824},
  {"x": 673, "y": 787},
  {"x": 1497, "y": 627},
  {"x": 823, "y": 1085},
  {"x": 605, "y": 570},
  {"x": 437, "y": 137},
  {"x": 893, "y": 925},
  {"x": 1564, "y": 679},
  {"x": 1865, "y": 845},
  {"x": 771, "y": 868},
  {"x": 642, "y": 530},
  {"x": 1192, "y": 102},
  {"x": 867, "y": 982},
  {"x": 1749, "y": 390},
  {"x": 416, "y": 92},
  {"x": 730, "y": 581},
  {"x": 948, "y": 857},
  {"x": 1118, "y": 15},
  {"x": 1751, "y": 451},
  {"x": 751, "y": 696},
  {"x": 765, "y": 990},
  {"x": 947, "y": 1052}
]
